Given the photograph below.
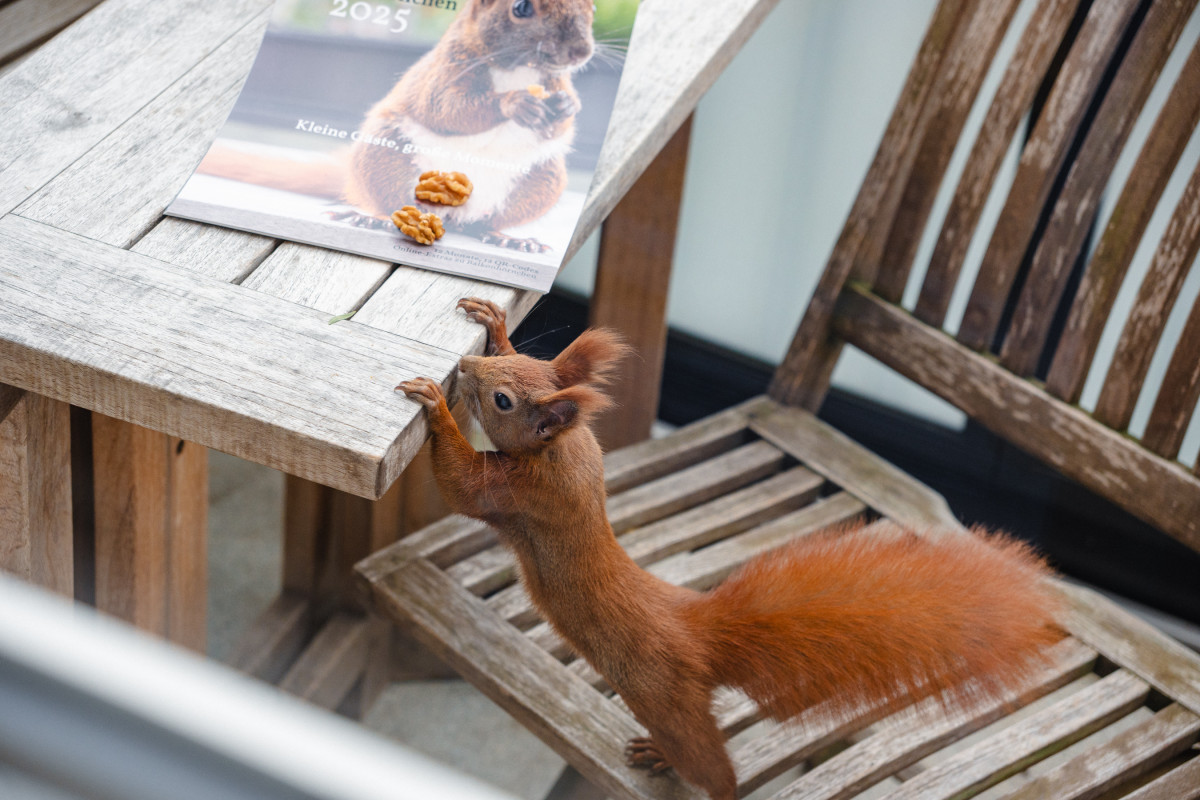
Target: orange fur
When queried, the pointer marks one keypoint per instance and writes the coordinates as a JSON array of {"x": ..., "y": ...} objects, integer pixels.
[{"x": 838, "y": 619}]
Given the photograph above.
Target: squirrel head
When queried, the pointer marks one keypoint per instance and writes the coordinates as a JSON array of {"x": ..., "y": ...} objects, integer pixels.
[
  {"x": 550, "y": 35},
  {"x": 523, "y": 404}
]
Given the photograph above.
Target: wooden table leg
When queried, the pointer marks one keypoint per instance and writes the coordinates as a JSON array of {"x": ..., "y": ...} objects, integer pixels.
[
  {"x": 315, "y": 635},
  {"x": 35, "y": 490},
  {"x": 151, "y": 518},
  {"x": 314, "y": 640},
  {"x": 633, "y": 274}
]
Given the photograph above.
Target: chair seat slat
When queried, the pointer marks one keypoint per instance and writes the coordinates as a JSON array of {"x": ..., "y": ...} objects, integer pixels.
[
  {"x": 654, "y": 458},
  {"x": 881, "y": 485},
  {"x": 693, "y": 485},
  {"x": 457, "y": 537},
  {"x": 1012, "y": 749},
  {"x": 1128, "y": 755},
  {"x": 1137, "y": 646},
  {"x": 1181, "y": 783},
  {"x": 920, "y": 730},
  {"x": 1130, "y": 215},
  {"x": 1075, "y": 208}
]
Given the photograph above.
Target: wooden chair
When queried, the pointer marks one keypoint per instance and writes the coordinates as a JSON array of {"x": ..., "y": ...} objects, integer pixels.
[{"x": 1118, "y": 713}]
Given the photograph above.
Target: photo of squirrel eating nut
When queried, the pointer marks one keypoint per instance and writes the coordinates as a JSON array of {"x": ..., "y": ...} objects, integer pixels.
[
  {"x": 838, "y": 619},
  {"x": 470, "y": 94}
]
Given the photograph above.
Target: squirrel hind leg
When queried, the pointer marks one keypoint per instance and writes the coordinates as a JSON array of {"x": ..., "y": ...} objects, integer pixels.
[{"x": 684, "y": 735}]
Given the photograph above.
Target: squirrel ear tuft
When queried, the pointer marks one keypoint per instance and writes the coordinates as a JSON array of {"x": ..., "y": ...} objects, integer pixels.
[
  {"x": 590, "y": 358},
  {"x": 567, "y": 407}
]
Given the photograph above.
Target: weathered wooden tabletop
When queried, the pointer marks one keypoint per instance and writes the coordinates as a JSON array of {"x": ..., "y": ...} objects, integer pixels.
[{"x": 221, "y": 337}]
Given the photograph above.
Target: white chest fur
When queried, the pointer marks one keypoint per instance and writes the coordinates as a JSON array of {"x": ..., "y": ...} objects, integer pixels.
[{"x": 513, "y": 80}]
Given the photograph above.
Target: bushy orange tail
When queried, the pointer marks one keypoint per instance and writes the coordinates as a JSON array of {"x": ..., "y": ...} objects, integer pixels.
[
  {"x": 880, "y": 615},
  {"x": 320, "y": 176}
]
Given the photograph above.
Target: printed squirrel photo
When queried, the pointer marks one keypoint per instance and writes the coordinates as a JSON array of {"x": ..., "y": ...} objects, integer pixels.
[
  {"x": 873, "y": 614},
  {"x": 473, "y": 93}
]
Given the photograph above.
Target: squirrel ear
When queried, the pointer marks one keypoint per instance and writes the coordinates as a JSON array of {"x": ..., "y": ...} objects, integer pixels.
[
  {"x": 554, "y": 416},
  {"x": 590, "y": 358},
  {"x": 567, "y": 407}
]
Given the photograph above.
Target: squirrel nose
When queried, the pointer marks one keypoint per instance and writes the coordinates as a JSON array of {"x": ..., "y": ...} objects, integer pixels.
[{"x": 580, "y": 52}]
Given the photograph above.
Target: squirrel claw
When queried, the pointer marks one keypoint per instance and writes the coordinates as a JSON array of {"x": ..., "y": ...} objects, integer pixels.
[
  {"x": 562, "y": 104},
  {"x": 489, "y": 315},
  {"x": 485, "y": 312},
  {"x": 643, "y": 753},
  {"x": 423, "y": 390}
]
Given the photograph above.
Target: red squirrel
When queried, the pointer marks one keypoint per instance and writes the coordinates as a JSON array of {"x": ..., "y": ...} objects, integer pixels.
[
  {"x": 469, "y": 94},
  {"x": 849, "y": 617}
]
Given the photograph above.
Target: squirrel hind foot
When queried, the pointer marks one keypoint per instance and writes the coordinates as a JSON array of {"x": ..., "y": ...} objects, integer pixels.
[
  {"x": 643, "y": 753},
  {"x": 502, "y": 239}
]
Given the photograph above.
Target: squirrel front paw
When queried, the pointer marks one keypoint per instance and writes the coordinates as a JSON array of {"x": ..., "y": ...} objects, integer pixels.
[
  {"x": 425, "y": 391},
  {"x": 525, "y": 109},
  {"x": 543, "y": 115},
  {"x": 492, "y": 317},
  {"x": 562, "y": 104},
  {"x": 485, "y": 312}
]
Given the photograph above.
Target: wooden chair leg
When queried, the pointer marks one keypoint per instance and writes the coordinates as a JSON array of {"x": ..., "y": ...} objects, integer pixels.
[
  {"x": 633, "y": 275},
  {"x": 325, "y": 534},
  {"x": 151, "y": 501},
  {"x": 314, "y": 641},
  {"x": 36, "y": 540}
]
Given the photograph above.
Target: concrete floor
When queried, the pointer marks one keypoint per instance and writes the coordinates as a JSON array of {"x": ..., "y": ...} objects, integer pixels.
[{"x": 446, "y": 720}]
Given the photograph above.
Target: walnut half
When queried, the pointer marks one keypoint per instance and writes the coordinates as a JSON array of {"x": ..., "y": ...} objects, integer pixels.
[
  {"x": 425, "y": 228},
  {"x": 444, "y": 188}
]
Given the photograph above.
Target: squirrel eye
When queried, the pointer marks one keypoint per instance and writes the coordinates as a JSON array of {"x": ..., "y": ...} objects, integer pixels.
[
  {"x": 502, "y": 401},
  {"x": 523, "y": 8}
]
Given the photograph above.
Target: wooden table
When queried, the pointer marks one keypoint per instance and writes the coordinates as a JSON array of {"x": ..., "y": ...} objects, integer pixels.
[{"x": 130, "y": 342}]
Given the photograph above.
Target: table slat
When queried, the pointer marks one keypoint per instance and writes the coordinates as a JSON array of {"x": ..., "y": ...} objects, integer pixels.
[
  {"x": 118, "y": 190},
  {"x": 87, "y": 81},
  {"x": 212, "y": 363}
]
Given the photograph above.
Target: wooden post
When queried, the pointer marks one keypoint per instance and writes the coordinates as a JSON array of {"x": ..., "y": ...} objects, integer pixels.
[
  {"x": 151, "y": 502},
  {"x": 35, "y": 490},
  {"x": 637, "y": 245}
]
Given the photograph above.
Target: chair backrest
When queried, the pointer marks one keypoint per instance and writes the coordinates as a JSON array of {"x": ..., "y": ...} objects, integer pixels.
[{"x": 1040, "y": 298}]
